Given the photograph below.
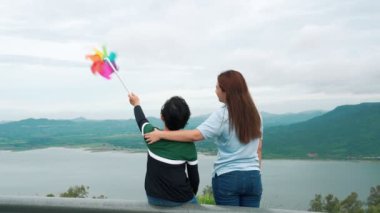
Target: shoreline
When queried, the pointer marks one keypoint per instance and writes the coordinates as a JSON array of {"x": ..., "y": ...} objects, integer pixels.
[{"x": 96, "y": 149}]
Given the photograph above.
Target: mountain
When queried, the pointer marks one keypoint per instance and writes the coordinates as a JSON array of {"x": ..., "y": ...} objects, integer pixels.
[
  {"x": 350, "y": 131},
  {"x": 78, "y": 132},
  {"x": 40, "y": 133},
  {"x": 271, "y": 119},
  {"x": 289, "y": 118}
]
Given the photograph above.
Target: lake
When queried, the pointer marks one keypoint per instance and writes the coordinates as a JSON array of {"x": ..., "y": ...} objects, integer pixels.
[{"x": 288, "y": 184}]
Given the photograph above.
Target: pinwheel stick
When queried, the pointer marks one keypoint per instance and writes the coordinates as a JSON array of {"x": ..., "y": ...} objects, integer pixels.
[{"x": 115, "y": 71}]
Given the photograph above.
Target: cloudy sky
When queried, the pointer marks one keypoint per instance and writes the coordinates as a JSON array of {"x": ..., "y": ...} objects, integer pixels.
[{"x": 296, "y": 55}]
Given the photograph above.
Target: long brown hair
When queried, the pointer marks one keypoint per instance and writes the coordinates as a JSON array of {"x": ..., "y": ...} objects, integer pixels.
[{"x": 243, "y": 114}]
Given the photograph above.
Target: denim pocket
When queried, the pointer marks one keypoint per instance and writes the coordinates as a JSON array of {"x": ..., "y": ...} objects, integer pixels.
[{"x": 226, "y": 184}]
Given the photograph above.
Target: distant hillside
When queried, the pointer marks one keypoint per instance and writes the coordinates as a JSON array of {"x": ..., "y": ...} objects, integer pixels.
[
  {"x": 40, "y": 133},
  {"x": 289, "y": 118},
  {"x": 271, "y": 119},
  {"x": 351, "y": 131},
  {"x": 109, "y": 134},
  {"x": 345, "y": 132}
]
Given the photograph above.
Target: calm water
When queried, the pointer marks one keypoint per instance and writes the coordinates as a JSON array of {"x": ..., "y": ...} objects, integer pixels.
[{"x": 288, "y": 184}]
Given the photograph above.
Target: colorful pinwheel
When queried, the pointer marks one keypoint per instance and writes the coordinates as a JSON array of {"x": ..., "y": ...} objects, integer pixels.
[{"x": 102, "y": 63}]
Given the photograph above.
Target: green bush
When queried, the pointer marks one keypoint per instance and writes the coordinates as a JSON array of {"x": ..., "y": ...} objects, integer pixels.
[
  {"x": 77, "y": 192},
  {"x": 207, "y": 196}
]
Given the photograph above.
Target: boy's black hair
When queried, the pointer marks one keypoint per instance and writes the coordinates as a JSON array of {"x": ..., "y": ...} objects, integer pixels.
[{"x": 175, "y": 113}]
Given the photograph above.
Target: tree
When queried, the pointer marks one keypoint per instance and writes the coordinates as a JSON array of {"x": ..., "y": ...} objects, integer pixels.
[
  {"x": 351, "y": 204},
  {"x": 328, "y": 204},
  {"x": 331, "y": 204},
  {"x": 76, "y": 192},
  {"x": 373, "y": 209},
  {"x": 374, "y": 196},
  {"x": 373, "y": 200},
  {"x": 316, "y": 204}
]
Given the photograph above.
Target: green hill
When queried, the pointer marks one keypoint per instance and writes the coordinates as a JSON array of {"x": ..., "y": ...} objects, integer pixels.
[
  {"x": 289, "y": 118},
  {"x": 79, "y": 132},
  {"x": 351, "y": 131},
  {"x": 271, "y": 119},
  {"x": 40, "y": 133},
  {"x": 345, "y": 132}
]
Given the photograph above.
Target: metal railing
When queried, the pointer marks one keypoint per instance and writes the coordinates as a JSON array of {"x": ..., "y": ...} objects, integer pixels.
[{"x": 22, "y": 204}]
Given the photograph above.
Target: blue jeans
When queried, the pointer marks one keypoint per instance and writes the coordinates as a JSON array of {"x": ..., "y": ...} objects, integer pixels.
[
  {"x": 162, "y": 202},
  {"x": 238, "y": 188}
]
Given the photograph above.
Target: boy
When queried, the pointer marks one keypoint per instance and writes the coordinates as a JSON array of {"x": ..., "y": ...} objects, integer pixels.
[{"x": 166, "y": 182}]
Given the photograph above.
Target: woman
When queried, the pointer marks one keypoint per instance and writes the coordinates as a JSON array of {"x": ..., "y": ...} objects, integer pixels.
[{"x": 238, "y": 132}]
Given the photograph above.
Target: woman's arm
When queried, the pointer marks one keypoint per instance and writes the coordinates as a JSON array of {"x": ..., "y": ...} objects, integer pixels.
[
  {"x": 210, "y": 128},
  {"x": 178, "y": 135}
]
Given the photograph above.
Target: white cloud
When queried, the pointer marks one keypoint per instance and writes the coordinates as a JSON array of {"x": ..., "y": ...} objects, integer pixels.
[{"x": 295, "y": 55}]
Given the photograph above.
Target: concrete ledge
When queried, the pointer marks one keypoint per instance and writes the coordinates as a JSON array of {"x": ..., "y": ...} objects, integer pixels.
[{"x": 22, "y": 204}]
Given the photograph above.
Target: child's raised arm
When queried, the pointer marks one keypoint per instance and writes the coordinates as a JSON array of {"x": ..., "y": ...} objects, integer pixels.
[{"x": 134, "y": 100}]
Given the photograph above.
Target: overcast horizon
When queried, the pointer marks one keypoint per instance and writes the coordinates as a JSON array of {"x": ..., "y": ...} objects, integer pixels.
[{"x": 295, "y": 55}]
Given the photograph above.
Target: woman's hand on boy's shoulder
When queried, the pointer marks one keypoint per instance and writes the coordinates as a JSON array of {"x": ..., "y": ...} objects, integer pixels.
[
  {"x": 134, "y": 100},
  {"x": 153, "y": 137}
]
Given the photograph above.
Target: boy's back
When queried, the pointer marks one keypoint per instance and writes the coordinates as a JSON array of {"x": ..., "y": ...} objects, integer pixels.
[
  {"x": 166, "y": 180},
  {"x": 165, "y": 176},
  {"x": 170, "y": 150}
]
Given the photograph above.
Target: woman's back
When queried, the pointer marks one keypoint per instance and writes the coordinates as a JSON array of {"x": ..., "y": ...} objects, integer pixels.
[{"x": 232, "y": 154}]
